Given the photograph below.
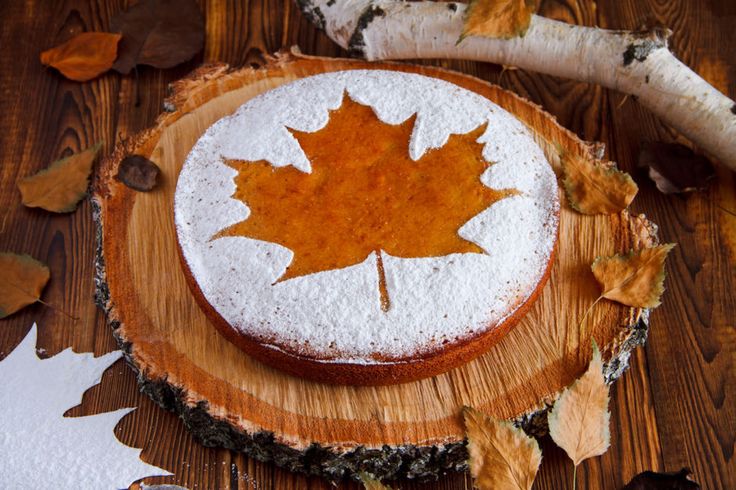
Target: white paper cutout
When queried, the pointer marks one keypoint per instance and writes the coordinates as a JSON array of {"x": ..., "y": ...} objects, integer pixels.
[{"x": 39, "y": 447}]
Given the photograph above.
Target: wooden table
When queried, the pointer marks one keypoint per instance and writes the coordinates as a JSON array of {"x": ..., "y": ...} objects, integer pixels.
[{"x": 675, "y": 407}]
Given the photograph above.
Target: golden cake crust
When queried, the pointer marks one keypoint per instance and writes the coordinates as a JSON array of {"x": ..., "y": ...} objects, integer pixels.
[
  {"x": 384, "y": 373},
  {"x": 382, "y": 365}
]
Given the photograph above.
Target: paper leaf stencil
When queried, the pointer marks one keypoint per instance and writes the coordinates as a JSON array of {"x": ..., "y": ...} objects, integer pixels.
[
  {"x": 43, "y": 449},
  {"x": 363, "y": 198}
]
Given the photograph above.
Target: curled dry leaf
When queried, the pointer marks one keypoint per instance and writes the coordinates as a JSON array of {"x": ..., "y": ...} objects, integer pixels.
[
  {"x": 159, "y": 33},
  {"x": 498, "y": 18},
  {"x": 138, "y": 172},
  {"x": 501, "y": 455},
  {"x": 370, "y": 483},
  {"x": 675, "y": 168},
  {"x": 596, "y": 188},
  {"x": 579, "y": 420},
  {"x": 23, "y": 281},
  {"x": 635, "y": 279},
  {"x": 85, "y": 56},
  {"x": 650, "y": 480},
  {"x": 61, "y": 186}
]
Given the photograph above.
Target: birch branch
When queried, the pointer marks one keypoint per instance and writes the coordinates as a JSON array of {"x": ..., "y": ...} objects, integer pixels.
[{"x": 635, "y": 63}]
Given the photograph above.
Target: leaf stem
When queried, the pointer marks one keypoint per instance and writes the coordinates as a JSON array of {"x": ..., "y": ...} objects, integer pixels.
[
  {"x": 68, "y": 315},
  {"x": 581, "y": 328},
  {"x": 574, "y": 476},
  {"x": 47, "y": 305},
  {"x": 726, "y": 210},
  {"x": 382, "y": 288}
]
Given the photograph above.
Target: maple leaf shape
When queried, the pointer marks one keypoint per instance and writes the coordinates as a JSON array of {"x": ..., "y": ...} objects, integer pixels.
[
  {"x": 365, "y": 195},
  {"x": 43, "y": 449}
]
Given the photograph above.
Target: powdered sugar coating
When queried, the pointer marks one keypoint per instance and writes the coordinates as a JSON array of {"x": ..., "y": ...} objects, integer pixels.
[{"x": 336, "y": 315}]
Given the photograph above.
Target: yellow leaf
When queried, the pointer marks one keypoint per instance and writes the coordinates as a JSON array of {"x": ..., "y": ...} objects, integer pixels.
[
  {"x": 498, "y": 18},
  {"x": 85, "y": 56},
  {"x": 594, "y": 188},
  {"x": 501, "y": 455},
  {"x": 635, "y": 279},
  {"x": 370, "y": 483},
  {"x": 23, "y": 279},
  {"x": 579, "y": 420},
  {"x": 61, "y": 186}
]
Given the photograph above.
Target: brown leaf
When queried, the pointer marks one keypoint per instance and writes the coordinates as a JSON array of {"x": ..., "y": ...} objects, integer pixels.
[
  {"x": 85, "y": 56},
  {"x": 61, "y": 186},
  {"x": 579, "y": 420},
  {"x": 675, "y": 168},
  {"x": 138, "y": 172},
  {"x": 498, "y": 18},
  {"x": 501, "y": 455},
  {"x": 596, "y": 188},
  {"x": 401, "y": 199},
  {"x": 159, "y": 33},
  {"x": 23, "y": 280},
  {"x": 370, "y": 483},
  {"x": 635, "y": 279},
  {"x": 650, "y": 480}
]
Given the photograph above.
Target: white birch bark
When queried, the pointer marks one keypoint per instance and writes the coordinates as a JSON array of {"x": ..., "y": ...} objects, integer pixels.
[{"x": 638, "y": 64}]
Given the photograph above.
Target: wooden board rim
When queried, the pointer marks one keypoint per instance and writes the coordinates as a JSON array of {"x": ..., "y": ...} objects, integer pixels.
[{"x": 199, "y": 416}]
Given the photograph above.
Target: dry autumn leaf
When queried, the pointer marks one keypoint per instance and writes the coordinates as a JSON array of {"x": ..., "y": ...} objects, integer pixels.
[
  {"x": 326, "y": 227},
  {"x": 138, "y": 172},
  {"x": 594, "y": 188},
  {"x": 635, "y": 279},
  {"x": 498, "y": 18},
  {"x": 85, "y": 56},
  {"x": 579, "y": 420},
  {"x": 62, "y": 185},
  {"x": 23, "y": 281},
  {"x": 159, "y": 33},
  {"x": 370, "y": 483},
  {"x": 675, "y": 168},
  {"x": 650, "y": 480},
  {"x": 501, "y": 455}
]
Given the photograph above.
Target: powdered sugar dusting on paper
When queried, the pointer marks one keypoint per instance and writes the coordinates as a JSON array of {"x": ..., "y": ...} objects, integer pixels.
[
  {"x": 336, "y": 314},
  {"x": 39, "y": 447}
]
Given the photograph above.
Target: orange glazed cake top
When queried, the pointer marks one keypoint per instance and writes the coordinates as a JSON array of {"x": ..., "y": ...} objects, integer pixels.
[{"x": 366, "y": 216}]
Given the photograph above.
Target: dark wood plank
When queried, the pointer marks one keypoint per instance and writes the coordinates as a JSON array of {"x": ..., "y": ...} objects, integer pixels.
[
  {"x": 690, "y": 368},
  {"x": 674, "y": 408}
]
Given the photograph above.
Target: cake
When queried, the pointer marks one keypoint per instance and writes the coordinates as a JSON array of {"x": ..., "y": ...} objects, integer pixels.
[{"x": 366, "y": 226}]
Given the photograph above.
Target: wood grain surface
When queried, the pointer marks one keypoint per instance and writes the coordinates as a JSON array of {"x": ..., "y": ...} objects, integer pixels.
[{"x": 675, "y": 407}]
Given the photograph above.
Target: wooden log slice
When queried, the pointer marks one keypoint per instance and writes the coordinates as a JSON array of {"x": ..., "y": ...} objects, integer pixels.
[{"x": 409, "y": 430}]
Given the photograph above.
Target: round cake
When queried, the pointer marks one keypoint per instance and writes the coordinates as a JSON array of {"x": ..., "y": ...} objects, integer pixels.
[{"x": 366, "y": 226}]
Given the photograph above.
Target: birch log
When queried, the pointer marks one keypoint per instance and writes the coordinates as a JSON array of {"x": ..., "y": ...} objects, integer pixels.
[{"x": 635, "y": 63}]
